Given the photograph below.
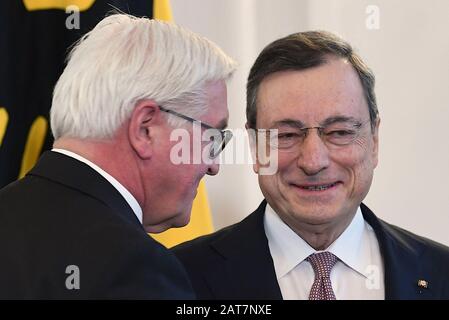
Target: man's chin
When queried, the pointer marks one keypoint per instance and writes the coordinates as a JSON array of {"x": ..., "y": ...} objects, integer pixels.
[
  {"x": 176, "y": 222},
  {"x": 156, "y": 228}
]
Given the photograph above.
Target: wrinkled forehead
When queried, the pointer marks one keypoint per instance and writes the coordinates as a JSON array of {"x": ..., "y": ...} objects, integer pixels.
[{"x": 312, "y": 95}]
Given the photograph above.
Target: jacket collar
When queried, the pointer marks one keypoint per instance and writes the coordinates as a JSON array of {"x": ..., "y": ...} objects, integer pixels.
[
  {"x": 74, "y": 174},
  {"x": 401, "y": 253}
]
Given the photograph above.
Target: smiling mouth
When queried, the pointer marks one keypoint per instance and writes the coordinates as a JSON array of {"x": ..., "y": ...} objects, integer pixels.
[{"x": 321, "y": 187}]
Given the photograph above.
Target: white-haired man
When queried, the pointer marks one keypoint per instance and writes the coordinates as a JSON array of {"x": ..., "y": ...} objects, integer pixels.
[{"x": 75, "y": 226}]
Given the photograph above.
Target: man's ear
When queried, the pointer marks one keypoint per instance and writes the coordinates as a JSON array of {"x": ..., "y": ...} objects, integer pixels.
[
  {"x": 141, "y": 126},
  {"x": 252, "y": 137}
]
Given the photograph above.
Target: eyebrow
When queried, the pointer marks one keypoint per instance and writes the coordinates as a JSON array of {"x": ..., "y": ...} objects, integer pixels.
[
  {"x": 339, "y": 118},
  {"x": 328, "y": 121},
  {"x": 290, "y": 123}
]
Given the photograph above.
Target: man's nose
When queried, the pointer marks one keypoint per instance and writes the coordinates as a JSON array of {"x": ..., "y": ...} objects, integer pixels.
[{"x": 313, "y": 155}]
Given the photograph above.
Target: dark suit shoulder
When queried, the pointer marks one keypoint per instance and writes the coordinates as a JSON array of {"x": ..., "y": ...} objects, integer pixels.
[
  {"x": 427, "y": 247},
  {"x": 201, "y": 260},
  {"x": 230, "y": 263},
  {"x": 408, "y": 258},
  {"x": 139, "y": 266},
  {"x": 203, "y": 242},
  {"x": 222, "y": 240},
  {"x": 46, "y": 226}
]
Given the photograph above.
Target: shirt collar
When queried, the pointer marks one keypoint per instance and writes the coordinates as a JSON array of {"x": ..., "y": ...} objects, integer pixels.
[
  {"x": 288, "y": 249},
  {"x": 120, "y": 188},
  {"x": 352, "y": 247}
]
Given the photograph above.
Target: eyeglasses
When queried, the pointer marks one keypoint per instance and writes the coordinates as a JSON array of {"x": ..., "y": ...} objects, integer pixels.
[
  {"x": 219, "y": 138},
  {"x": 335, "y": 134}
]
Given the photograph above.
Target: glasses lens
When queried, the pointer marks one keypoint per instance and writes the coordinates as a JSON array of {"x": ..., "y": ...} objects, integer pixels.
[
  {"x": 341, "y": 134},
  {"x": 220, "y": 143}
]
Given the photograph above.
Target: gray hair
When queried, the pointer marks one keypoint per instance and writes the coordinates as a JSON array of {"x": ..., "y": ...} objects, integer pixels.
[
  {"x": 125, "y": 59},
  {"x": 301, "y": 51}
]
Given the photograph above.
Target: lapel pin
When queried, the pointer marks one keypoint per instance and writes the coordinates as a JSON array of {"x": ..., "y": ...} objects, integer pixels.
[{"x": 423, "y": 284}]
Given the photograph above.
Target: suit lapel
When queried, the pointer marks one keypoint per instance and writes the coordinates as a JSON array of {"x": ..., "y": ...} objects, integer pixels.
[
  {"x": 401, "y": 256},
  {"x": 79, "y": 176},
  {"x": 247, "y": 259}
]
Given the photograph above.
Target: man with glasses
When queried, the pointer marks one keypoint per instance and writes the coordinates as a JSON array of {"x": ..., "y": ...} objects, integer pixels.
[
  {"x": 76, "y": 226},
  {"x": 311, "y": 103}
]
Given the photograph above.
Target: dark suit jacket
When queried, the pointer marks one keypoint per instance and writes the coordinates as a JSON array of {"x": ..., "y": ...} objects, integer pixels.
[
  {"x": 235, "y": 263},
  {"x": 64, "y": 213}
]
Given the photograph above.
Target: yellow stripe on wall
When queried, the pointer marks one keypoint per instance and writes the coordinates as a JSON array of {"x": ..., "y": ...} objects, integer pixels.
[
  {"x": 32, "y": 5},
  {"x": 162, "y": 10},
  {"x": 201, "y": 219},
  {"x": 34, "y": 143}
]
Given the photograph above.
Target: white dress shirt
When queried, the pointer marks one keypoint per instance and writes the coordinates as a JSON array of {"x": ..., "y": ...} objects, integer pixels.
[
  {"x": 358, "y": 273},
  {"x": 120, "y": 188}
]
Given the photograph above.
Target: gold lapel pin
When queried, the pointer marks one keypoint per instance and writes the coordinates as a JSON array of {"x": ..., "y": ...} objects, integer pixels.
[{"x": 423, "y": 284}]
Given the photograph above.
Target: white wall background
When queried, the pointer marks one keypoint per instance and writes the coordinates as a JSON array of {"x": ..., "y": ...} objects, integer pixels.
[{"x": 409, "y": 54}]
